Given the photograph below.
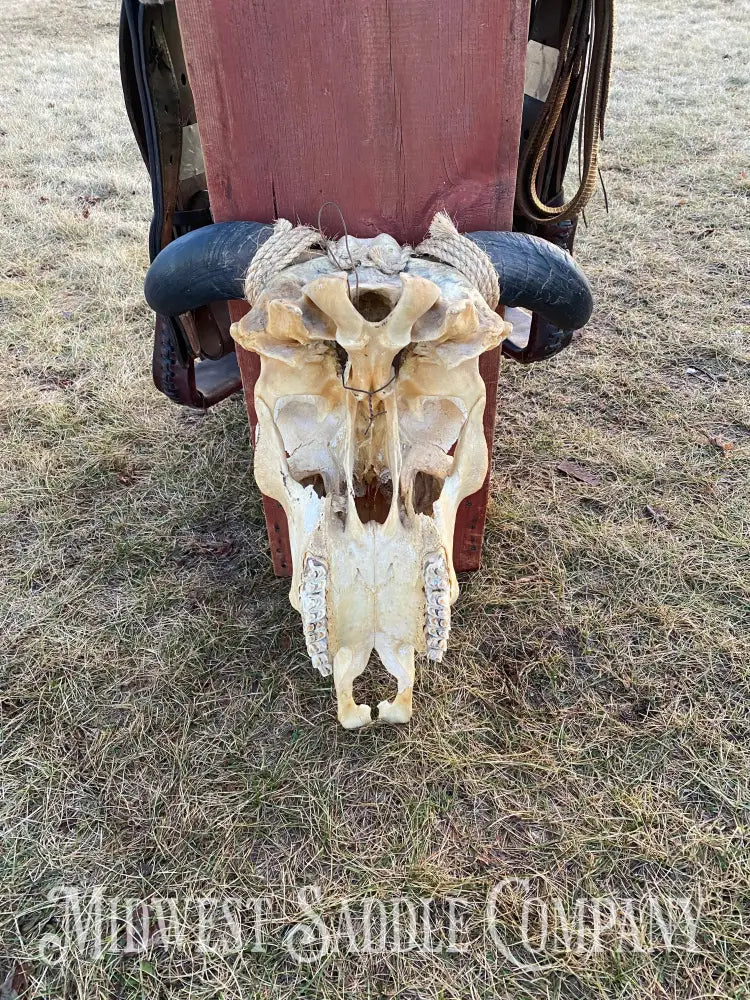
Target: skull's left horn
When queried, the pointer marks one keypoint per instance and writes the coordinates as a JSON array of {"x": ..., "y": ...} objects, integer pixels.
[
  {"x": 537, "y": 275},
  {"x": 204, "y": 266}
]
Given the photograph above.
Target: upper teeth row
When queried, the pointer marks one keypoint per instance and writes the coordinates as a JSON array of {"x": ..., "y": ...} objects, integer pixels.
[
  {"x": 438, "y": 609},
  {"x": 312, "y": 594}
]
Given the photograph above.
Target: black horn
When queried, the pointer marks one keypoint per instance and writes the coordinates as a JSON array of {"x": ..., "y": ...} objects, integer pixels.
[
  {"x": 204, "y": 266},
  {"x": 538, "y": 276}
]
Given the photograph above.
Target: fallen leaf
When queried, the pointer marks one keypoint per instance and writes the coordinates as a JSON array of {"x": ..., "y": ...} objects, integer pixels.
[
  {"x": 721, "y": 443},
  {"x": 658, "y": 516},
  {"x": 50, "y": 381},
  {"x": 20, "y": 984},
  {"x": 205, "y": 547},
  {"x": 579, "y": 473}
]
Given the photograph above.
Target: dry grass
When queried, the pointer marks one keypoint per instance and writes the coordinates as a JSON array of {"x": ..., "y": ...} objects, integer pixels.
[{"x": 162, "y": 733}]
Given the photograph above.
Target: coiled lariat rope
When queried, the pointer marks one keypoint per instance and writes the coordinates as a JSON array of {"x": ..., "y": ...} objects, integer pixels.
[
  {"x": 290, "y": 244},
  {"x": 581, "y": 79}
]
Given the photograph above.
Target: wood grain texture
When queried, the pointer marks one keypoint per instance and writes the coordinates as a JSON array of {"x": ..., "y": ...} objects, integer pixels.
[{"x": 393, "y": 109}]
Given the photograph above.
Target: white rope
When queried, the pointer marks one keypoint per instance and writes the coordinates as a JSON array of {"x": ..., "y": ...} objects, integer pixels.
[
  {"x": 285, "y": 245},
  {"x": 387, "y": 256},
  {"x": 445, "y": 243},
  {"x": 288, "y": 244}
]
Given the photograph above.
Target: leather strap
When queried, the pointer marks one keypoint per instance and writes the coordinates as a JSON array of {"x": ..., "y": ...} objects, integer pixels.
[{"x": 155, "y": 101}]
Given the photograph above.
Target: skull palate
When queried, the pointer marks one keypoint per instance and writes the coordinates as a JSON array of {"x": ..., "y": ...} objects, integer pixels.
[{"x": 370, "y": 434}]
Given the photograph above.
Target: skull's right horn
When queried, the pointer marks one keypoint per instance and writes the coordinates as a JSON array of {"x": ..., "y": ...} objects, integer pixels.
[{"x": 209, "y": 265}]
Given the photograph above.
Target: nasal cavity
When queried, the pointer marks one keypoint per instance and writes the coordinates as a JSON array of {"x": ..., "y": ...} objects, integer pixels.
[
  {"x": 373, "y": 502},
  {"x": 372, "y": 306}
]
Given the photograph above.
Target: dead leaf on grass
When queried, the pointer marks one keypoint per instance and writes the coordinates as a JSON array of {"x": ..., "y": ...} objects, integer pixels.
[
  {"x": 16, "y": 983},
  {"x": 50, "y": 382},
  {"x": 658, "y": 516},
  {"x": 207, "y": 547},
  {"x": 721, "y": 443},
  {"x": 579, "y": 473}
]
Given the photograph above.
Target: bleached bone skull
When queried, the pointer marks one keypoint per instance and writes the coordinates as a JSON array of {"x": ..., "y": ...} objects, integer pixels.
[
  {"x": 370, "y": 410},
  {"x": 370, "y": 434}
]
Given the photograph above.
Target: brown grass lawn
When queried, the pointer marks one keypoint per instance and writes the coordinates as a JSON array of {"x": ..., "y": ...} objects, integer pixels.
[{"x": 163, "y": 734}]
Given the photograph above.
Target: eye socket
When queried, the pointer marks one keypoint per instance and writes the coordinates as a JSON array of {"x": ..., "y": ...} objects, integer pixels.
[{"x": 402, "y": 355}]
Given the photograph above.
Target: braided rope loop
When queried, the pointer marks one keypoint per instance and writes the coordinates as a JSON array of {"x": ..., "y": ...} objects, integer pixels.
[
  {"x": 283, "y": 247},
  {"x": 446, "y": 244}
]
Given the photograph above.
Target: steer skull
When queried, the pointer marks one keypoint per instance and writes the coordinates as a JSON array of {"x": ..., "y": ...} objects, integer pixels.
[{"x": 370, "y": 434}]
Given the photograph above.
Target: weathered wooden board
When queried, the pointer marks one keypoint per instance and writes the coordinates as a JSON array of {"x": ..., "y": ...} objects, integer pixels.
[{"x": 393, "y": 109}]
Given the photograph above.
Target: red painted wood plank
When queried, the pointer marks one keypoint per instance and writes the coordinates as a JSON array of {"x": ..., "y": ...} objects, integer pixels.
[{"x": 392, "y": 108}]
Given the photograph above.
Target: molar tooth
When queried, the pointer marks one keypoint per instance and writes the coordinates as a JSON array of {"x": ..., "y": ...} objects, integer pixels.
[
  {"x": 438, "y": 599},
  {"x": 321, "y": 662},
  {"x": 437, "y": 631},
  {"x": 437, "y": 606},
  {"x": 313, "y": 609}
]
